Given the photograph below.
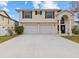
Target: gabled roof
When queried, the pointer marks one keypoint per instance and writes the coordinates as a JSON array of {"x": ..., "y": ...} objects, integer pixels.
[
  {"x": 7, "y": 15},
  {"x": 65, "y": 11}
]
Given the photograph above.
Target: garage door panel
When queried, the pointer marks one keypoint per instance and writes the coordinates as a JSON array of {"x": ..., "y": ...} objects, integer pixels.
[
  {"x": 47, "y": 28},
  {"x": 31, "y": 28}
]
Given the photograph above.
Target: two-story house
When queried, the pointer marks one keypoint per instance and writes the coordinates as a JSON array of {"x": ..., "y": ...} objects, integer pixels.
[{"x": 46, "y": 21}]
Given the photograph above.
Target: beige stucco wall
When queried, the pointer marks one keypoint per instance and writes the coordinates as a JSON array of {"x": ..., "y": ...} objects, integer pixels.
[
  {"x": 1, "y": 12},
  {"x": 11, "y": 24},
  {"x": 1, "y": 21},
  {"x": 37, "y": 18},
  {"x": 6, "y": 22},
  {"x": 41, "y": 18},
  {"x": 58, "y": 16}
]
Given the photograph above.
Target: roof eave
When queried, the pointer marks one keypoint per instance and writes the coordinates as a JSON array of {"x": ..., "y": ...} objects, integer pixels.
[{"x": 18, "y": 10}]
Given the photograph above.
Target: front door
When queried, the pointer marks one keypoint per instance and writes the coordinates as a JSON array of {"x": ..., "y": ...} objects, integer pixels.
[{"x": 62, "y": 28}]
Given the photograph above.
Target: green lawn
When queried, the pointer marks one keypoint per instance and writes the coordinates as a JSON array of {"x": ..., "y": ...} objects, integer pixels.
[
  {"x": 5, "y": 38},
  {"x": 73, "y": 38}
]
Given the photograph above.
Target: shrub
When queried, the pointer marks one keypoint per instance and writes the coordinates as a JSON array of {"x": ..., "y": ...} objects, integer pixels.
[
  {"x": 10, "y": 32},
  {"x": 19, "y": 30},
  {"x": 75, "y": 30}
]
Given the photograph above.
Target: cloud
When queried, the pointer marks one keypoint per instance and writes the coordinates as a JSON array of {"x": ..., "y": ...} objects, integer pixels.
[
  {"x": 45, "y": 5},
  {"x": 26, "y": 2},
  {"x": 12, "y": 16},
  {"x": 3, "y": 3},
  {"x": 15, "y": 17},
  {"x": 7, "y": 10},
  {"x": 36, "y": 4},
  {"x": 17, "y": 8},
  {"x": 50, "y": 5}
]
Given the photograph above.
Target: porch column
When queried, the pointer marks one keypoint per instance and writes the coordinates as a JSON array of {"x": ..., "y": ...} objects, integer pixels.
[
  {"x": 70, "y": 30},
  {"x": 56, "y": 28},
  {"x": 59, "y": 28}
]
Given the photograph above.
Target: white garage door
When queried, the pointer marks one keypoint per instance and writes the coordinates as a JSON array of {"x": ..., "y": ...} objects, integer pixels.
[
  {"x": 47, "y": 28},
  {"x": 41, "y": 29},
  {"x": 30, "y": 28}
]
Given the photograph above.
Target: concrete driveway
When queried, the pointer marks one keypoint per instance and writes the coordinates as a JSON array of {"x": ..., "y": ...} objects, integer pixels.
[{"x": 39, "y": 46}]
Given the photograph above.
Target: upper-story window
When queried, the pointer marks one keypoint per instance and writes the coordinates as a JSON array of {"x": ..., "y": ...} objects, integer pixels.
[
  {"x": 62, "y": 21},
  {"x": 49, "y": 14},
  {"x": 27, "y": 14},
  {"x": 38, "y": 12}
]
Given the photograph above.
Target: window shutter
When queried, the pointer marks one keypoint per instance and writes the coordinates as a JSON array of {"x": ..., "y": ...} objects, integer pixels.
[
  {"x": 23, "y": 14},
  {"x": 53, "y": 14},
  {"x": 31, "y": 14}
]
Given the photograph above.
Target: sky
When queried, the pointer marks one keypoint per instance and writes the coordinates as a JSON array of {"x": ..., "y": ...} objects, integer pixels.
[{"x": 10, "y": 6}]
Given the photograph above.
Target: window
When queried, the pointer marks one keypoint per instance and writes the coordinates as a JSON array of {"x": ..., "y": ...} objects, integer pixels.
[
  {"x": 3, "y": 27},
  {"x": 49, "y": 14},
  {"x": 35, "y": 12},
  {"x": 27, "y": 14},
  {"x": 8, "y": 21},
  {"x": 38, "y": 12},
  {"x": 77, "y": 16},
  {"x": 11, "y": 27},
  {"x": 62, "y": 20}
]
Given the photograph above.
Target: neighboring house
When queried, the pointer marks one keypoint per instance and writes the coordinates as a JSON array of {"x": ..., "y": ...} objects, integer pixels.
[
  {"x": 75, "y": 9},
  {"x": 46, "y": 21},
  {"x": 76, "y": 23},
  {"x": 6, "y": 22}
]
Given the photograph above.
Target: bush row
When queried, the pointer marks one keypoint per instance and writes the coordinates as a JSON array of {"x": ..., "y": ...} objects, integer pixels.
[{"x": 75, "y": 29}]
